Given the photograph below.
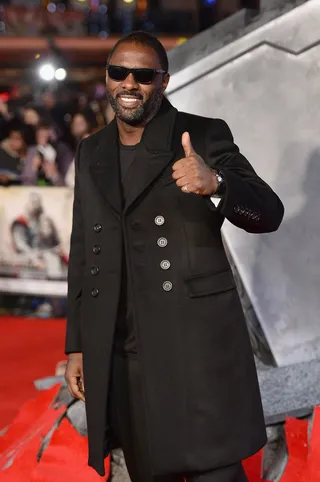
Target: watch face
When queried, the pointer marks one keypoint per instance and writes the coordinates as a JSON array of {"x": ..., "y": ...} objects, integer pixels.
[
  {"x": 220, "y": 179},
  {"x": 221, "y": 182}
]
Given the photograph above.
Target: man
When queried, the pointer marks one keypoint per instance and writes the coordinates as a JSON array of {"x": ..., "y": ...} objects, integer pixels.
[{"x": 157, "y": 342}]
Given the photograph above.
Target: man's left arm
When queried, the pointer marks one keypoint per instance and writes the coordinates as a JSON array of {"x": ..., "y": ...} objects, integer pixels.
[{"x": 247, "y": 201}]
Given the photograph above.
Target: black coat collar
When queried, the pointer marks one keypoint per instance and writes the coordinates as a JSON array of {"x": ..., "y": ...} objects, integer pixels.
[{"x": 154, "y": 153}]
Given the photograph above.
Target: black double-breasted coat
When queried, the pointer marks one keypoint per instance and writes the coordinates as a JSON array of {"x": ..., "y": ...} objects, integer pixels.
[{"x": 202, "y": 400}]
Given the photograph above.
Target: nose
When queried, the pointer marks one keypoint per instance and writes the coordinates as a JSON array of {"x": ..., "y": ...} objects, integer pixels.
[{"x": 130, "y": 83}]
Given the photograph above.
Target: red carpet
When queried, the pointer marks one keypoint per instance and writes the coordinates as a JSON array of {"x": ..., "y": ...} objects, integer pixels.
[
  {"x": 30, "y": 349},
  {"x": 63, "y": 460}
]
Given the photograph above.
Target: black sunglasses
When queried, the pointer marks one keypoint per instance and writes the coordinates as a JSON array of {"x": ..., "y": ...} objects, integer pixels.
[{"x": 142, "y": 76}]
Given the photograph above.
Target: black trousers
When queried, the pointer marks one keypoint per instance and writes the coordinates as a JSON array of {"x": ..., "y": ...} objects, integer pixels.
[{"x": 127, "y": 425}]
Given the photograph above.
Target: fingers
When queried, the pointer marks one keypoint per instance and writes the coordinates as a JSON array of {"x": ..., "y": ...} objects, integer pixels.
[
  {"x": 76, "y": 388},
  {"x": 82, "y": 382},
  {"x": 182, "y": 181},
  {"x": 186, "y": 163},
  {"x": 186, "y": 144},
  {"x": 187, "y": 171},
  {"x": 180, "y": 176},
  {"x": 181, "y": 164}
]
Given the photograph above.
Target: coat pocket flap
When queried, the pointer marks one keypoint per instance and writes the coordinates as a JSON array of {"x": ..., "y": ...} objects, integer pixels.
[{"x": 211, "y": 283}]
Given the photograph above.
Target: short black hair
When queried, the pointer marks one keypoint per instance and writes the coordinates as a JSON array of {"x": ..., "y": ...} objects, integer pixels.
[
  {"x": 147, "y": 40},
  {"x": 14, "y": 125}
]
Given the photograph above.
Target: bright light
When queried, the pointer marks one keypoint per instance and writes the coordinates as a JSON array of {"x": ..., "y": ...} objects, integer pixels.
[
  {"x": 128, "y": 1},
  {"x": 51, "y": 7},
  {"x": 61, "y": 74},
  {"x": 47, "y": 72}
]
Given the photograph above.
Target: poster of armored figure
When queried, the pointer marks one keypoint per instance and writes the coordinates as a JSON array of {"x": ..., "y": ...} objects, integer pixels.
[{"x": 35, "y": 226}]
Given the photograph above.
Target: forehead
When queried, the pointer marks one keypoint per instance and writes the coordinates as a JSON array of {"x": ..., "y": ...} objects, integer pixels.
[{"x": 135, "y": 56}]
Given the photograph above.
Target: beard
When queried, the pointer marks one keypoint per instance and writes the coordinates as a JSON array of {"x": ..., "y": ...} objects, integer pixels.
[{"x": 142, "y": 113}]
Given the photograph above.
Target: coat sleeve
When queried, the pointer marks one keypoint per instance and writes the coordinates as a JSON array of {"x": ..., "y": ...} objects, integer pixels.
[
  {"x": 75, "y": 269},
  {"x": 249, "y": 203}
]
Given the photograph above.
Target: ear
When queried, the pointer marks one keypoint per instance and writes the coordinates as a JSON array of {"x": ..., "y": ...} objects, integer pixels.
[{"x": 165, "y": 81}]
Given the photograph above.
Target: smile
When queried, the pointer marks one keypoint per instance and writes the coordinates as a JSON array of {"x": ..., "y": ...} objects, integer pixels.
[{"x": 129, "y": 101}]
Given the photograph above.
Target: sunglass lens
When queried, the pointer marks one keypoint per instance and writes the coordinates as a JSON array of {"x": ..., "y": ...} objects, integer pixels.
[
  {"x": 117, "y": 73},
  {"x": 144, "y": 76}
]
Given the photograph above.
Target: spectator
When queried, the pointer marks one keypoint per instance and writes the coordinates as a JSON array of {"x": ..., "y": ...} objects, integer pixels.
[
  {"x": 55, "y": 110},
  {"x": 64, "y": 153},
  {"x": 81, "y": 127},
  {"x": 31, "y": 116},
  {"x": 5, "y": 116},
  {"x": 12, "y": 152},
  {"x": 83, "y": 102},
  {"x": 41, "y": 166}
]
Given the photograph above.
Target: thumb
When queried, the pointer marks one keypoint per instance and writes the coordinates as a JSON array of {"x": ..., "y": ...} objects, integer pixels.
[{"x": 186, "y": 144}]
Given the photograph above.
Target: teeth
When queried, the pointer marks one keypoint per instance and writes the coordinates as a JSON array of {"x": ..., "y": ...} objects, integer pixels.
[{"x": 129, "y": 99}]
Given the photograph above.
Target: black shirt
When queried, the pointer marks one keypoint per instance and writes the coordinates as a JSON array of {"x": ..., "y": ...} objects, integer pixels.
[
  {"x": 127, "y": 155},
  {"x": 125, "y": 338}
]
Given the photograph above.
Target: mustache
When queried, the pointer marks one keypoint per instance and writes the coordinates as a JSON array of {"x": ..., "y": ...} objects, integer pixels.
[{"x": 129, "y": 93}]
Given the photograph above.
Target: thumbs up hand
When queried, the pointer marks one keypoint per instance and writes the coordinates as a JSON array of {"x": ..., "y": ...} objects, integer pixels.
[{"x": 192, "y": 174}]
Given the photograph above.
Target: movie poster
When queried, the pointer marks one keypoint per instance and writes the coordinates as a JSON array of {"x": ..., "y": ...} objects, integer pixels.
[{"x": 35, "y": 227}]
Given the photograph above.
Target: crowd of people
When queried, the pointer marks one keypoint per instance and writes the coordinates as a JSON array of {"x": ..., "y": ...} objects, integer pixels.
[
  {"x": 38, "y": 139},
  {"x": 39, "y": 134},
  {"x": 93, "y": 18}
]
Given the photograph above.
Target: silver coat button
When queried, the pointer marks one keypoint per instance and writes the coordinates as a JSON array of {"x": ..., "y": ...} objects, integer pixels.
[
  {"x": 162, "y": 242},
  {"x": 159, "y": 220},
  {"x": 167, "y": 286},
  {"x": 96, "y": 249},
  {"x": 165, "y": 264},
  {"x": 97, "y": 228}
]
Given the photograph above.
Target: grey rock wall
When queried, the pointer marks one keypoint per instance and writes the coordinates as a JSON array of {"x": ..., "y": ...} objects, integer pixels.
[
  {"x": 227, "y": 31},
  {"x": 266, "y": 85}
]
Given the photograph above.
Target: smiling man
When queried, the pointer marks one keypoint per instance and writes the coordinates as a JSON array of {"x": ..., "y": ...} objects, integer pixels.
[{"x": 156, "y": 340}]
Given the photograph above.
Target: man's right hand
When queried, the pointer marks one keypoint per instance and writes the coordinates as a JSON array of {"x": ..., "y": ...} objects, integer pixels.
[{"x": 74, "y": 375}]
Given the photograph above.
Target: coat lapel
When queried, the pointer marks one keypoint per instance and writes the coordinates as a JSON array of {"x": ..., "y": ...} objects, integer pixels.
[
  {"x": 105, "y": 168},
  {"x": 154, "y": 153}
]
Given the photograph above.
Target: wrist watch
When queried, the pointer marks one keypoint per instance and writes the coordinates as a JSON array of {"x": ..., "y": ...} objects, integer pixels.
[{"x": 221, "y": 184}]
